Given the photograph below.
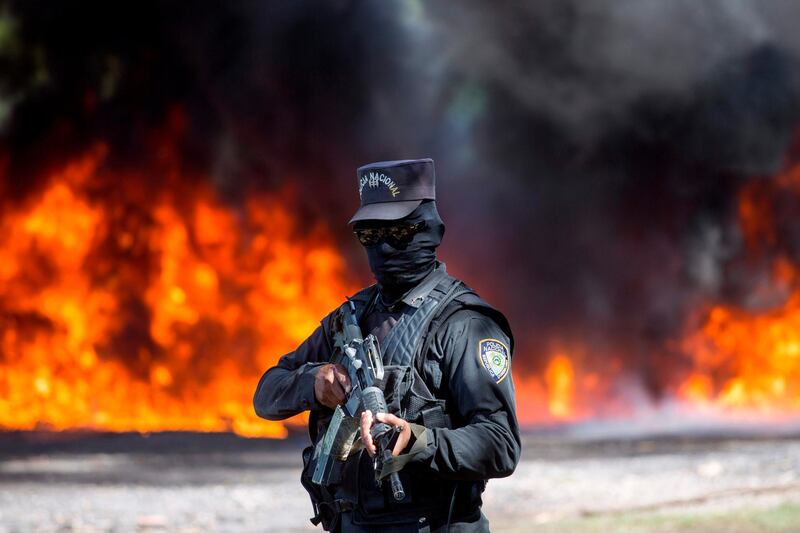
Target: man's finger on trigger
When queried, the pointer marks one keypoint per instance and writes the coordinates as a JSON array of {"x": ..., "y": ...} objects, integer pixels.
[
  {"x": 344, "y": 381},
  {"x": 337, "y": 395},
  {"x": 338, "y": 391}
]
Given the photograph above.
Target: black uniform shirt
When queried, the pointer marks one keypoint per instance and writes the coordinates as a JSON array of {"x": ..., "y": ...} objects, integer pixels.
[{"x": 485, "y": 443}]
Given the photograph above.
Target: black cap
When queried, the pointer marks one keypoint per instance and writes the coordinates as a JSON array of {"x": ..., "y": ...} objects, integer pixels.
[{"x": 391, "y": 190}]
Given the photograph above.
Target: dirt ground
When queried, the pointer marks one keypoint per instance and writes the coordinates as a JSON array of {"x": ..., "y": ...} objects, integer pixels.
[{"x": 192, "y": 483}]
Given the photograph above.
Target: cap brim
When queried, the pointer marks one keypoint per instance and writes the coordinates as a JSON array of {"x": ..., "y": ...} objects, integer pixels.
[{"x": 385, "y": 210}]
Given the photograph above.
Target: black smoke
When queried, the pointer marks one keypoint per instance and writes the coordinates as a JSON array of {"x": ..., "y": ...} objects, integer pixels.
[
  {"x": 605, "y": 163},
  {"x": 588, "y": 154}
]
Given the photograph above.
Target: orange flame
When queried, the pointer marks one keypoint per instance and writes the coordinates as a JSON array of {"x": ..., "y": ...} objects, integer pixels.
[
  {"x": 560, "y": 378},
  {"x": 746, "y": 359},
  {"x": 124, "y": 312},
  {"x": 222, "y": 293},
  {"x": 567, "y": 390}
]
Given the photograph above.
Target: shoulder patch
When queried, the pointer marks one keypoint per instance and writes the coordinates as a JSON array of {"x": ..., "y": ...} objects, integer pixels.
[{"x": 494, "y": 357}]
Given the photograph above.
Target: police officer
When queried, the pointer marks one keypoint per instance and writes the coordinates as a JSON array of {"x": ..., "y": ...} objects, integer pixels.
[{"x": 448, "y": 385}]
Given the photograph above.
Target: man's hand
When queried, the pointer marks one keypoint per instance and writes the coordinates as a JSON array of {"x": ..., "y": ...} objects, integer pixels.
[
  {"x": 388, "y": 418},
  {"x": 331, "y": 385}
]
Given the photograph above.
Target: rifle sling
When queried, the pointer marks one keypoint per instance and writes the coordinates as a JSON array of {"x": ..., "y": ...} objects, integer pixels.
[{"x": 396, "y": 463}]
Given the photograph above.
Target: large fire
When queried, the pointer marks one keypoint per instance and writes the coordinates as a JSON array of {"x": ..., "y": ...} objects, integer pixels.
[
  {"x": 131, "y": 309},
  {"x": 120, "y": 311},
  {"x": 750, "y": 360},
  {"x": 744, "y": 361}
]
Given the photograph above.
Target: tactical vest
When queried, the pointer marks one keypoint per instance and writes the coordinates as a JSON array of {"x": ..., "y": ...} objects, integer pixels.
[{"x": 412, "y": 377}]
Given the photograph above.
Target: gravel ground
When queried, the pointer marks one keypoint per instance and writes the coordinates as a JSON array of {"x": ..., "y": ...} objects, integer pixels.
[{"x": 189, "y": 482}]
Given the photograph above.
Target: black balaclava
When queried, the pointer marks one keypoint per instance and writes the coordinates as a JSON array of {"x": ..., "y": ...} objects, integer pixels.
[{"x": 398, "y": 270}]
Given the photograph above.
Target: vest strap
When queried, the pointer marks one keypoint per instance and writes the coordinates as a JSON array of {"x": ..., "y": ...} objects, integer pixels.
[
  {"x": 395, "y": 464},
  {"x": 401, "y": 344},
  {"x": 436, "y": 320}
]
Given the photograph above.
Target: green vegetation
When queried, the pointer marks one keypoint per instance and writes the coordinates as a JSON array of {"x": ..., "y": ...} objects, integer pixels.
[{"x": 784, "y": 517}]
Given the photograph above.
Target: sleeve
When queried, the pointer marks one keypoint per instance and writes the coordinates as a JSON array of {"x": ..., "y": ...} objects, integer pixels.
[
  {"x": 288, "y": 387},
  {"x": 476, "y": 367}
]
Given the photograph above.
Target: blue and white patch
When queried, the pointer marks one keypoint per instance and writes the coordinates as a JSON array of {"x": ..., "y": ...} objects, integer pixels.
[{"x": 494, "y": 357}]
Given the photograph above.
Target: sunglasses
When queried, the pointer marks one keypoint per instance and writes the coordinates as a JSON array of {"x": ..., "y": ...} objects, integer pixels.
[{"x": 397, "y": 235}]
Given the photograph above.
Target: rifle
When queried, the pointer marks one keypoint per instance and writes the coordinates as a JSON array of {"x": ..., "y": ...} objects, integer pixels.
[{"x": 362, "y": 359}]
